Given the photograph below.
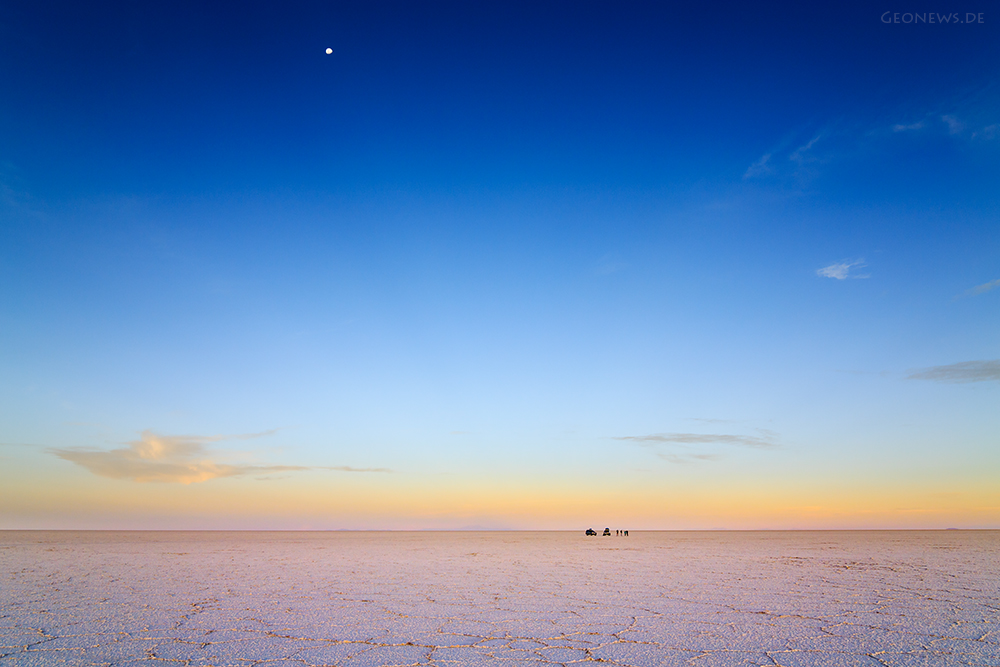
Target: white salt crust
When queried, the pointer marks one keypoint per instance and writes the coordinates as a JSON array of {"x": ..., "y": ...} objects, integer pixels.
[{"x": 797, "y": 599}]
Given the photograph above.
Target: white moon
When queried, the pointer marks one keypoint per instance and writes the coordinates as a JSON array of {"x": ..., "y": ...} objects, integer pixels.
[{"x": 329, "y": 51}]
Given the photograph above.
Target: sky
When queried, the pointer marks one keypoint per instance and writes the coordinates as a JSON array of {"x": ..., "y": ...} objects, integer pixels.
[{"x": 547, "y": 265}]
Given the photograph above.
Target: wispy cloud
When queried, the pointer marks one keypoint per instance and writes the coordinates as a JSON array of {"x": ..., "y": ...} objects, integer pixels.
[
  {"x": 842, "y": 270},
  {"x": 966, "y": 371},
  {"x": 799, "y": 154},
  {"x": 690, "y": 447},
  {"x": 765, "y": 441},
  {"x": 182, "y": 459},
  {"x": 798, "y": 158},
  {"x": 988, "y": 133},
  {"x": 795, "y": 155},
  {"x": 759, "y": 168},
  {"x": 982, "y": 289},
  {"x": 954, "y": 124},
  {"x": 673, "y": 457}
]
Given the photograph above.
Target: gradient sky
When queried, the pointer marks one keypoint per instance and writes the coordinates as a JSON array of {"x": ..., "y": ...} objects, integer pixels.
[{"x": 501, "y": 265}]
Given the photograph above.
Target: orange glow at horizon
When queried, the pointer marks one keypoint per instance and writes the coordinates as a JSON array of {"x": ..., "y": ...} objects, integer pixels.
[{"x": 324, "y": 501}]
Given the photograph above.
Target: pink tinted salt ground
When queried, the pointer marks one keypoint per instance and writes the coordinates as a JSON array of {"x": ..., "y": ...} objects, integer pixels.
[{"x": 704, "y": 599}]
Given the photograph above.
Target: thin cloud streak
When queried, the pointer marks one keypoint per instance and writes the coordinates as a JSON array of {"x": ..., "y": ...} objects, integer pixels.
[
  {"x": 987, "y": 133},
  {"x": 687, "y": 458},
  {"x": 842, "y": 270},
  {"x": 798, "y": 155},
  {"x": 121, "y": 464},
  {"x": 766, "y": 441},
  {"x": 960, "y": 373},
  {"x": 684, "y": 448},
  {"x": 759, "y": 168},
  {"x": 954, "y": 124},
  {"x": 982, "y": 289},
  {"x": 181, "y": 459}
]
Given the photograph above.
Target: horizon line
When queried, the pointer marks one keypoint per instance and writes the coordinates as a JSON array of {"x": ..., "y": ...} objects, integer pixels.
[{"x": 483, "y": 530}]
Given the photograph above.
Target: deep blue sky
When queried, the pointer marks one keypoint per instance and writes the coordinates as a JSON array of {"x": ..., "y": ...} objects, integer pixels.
[
  {"x": 543, "y": 238},
  {"x": 188, "y": 99}
]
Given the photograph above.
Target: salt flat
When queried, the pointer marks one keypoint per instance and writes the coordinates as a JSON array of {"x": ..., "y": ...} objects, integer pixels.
[{"x": 668, "y": 598}]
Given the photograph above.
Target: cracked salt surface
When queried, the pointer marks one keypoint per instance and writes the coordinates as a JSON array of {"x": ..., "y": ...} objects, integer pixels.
[{"x": 904, "y": 599}]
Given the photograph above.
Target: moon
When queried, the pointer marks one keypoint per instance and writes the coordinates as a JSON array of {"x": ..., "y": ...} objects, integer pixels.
[{"x": 329, "y": 51}]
